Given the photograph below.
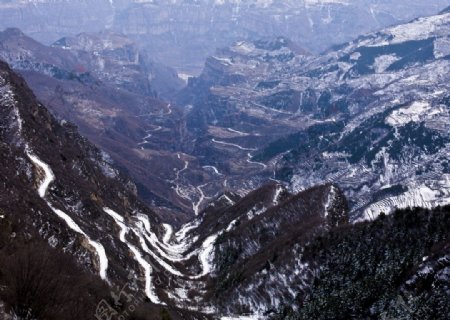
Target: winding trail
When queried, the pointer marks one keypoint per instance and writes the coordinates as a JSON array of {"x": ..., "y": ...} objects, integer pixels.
[
  {"x": 149, "y": 288},
  {"x": 254, "y": 162},
  {"x": 165, "y": 250},
  {"x": 233, "y": 145},
  {"x": 158, "y": 128},
  {"x": 242, "y": 134},
  {"x": 49, "y": 177},
  {"x": 144, "y": 139},
  {"x": 178, "y": 190},
  {"x": 213, "y": 168},
  {"x": 196, "y": 206}
]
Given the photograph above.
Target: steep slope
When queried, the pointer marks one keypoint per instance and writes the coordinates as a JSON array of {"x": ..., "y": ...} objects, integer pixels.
[
  {"x": 100, "y": 83},
  {"x": 115, "y": 59},
  {"x": 256, "y": 273},
  {"x": 241, "y": 257},
  {"x": 68, "y": 173},
  {"x": 369, "y": 115},
  {"x": 395, "y": 137},
  {"x": 395, "y": 267},
  {"x": 60, "y": 188},
  {"x": 56, "y": 186}
]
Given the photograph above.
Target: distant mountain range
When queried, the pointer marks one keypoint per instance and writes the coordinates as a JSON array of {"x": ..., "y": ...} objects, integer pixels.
[{"x": 182, "y": 33}]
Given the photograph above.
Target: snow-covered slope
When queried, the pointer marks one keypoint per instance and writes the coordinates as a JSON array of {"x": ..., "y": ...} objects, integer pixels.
[
  {"x": 368, "y": 119},
  {"x": 104, "y": 84},
  {"x": 370, "y": 115},
  {"x": 72, "y": 202}
]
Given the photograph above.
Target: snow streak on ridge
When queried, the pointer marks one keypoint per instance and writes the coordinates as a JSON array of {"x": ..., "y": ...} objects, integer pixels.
[
  {"x": 49, "y": 177},
  {"x": 149, "y": 288}
]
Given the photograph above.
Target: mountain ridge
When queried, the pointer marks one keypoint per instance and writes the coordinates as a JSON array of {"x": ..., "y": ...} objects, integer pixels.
[
  {"x": 259, "y": 251},
  {"x": 374, "y": 107},
  {"x": 298, "y": 223}
]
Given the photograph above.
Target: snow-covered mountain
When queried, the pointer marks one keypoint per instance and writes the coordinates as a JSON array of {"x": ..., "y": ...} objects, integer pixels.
[
  {"x": 78, "y": 203},
  {"x": 73, "y": 230},
  {"x": 182, "y": 33},
  {"x": 267, "y": 109},
  {"x": 348, "y": 136},
  {"x": 106, "y": 86},
  {"x": 370, "y": 115}
]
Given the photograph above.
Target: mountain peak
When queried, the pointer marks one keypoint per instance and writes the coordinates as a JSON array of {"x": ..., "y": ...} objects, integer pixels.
[
  {"x": 13, "y": 32},
  {"x": 446, "y": 10}
]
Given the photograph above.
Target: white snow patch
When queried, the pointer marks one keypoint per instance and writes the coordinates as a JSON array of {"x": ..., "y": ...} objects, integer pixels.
[
  {"x": 277, "y": 194},
  {"x": 254, "y": 212},
  {"x": 383, "y": 62},
  {"x": 231, "y": 225},
  {"x": 420, "y": 29},
  {"x": 414, "y": 113},
  {"x": 441, "y": 47},
  {"x": 355, "y": 56},
  {"x": 185, "y": 77},
  {"x": 330, "y": 199},
  {"x": 421, "y": 196}
]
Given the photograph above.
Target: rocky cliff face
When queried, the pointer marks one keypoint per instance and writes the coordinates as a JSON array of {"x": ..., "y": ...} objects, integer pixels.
[
  {"x": 60, "y": 188},
  {"x": 367, "y": 120},
  {"x": 116, "y": 59},
  {"x": 369, "y": 115},
  {"x": 269, "y": 253},
  {"x": 106, "y": 86},
  {"x": 48, "y": 21},
  {"x": 182, "y": 33}
]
